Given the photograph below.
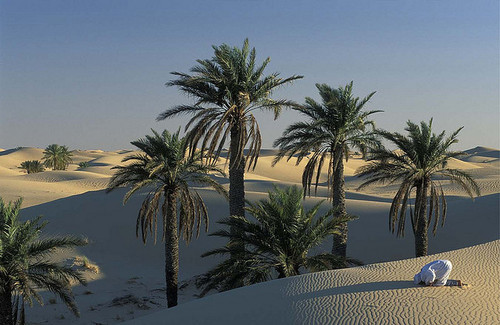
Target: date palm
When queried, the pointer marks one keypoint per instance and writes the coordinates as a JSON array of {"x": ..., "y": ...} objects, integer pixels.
[
  {"x": 26, "y": 267},
  {"x": 57, "y": 157},
  {"x": 420, "y": 164},
  {"x": 277, "y": 242},
  {"x": 32, "y": 166},
  {"x": 324, "y": 138},
  {"x": 227, "y": 90},
  {"x": 164, "y": 170}
]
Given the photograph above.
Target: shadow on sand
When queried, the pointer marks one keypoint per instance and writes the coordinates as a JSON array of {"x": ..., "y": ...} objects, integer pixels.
[{"x": 357, "y": 288}]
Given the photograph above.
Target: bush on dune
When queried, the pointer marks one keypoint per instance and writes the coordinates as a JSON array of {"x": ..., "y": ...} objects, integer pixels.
[
  {"x": 84, "y": 164},
  {"x": 32, "y": 166}
]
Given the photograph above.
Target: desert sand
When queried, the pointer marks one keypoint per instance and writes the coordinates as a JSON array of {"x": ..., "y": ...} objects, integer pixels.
[
  {"x": 379, "y": 293},
  {"x": 130, "y": 283}
]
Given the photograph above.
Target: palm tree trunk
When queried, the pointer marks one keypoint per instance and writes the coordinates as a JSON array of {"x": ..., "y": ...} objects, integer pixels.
[
  {"x": 339, "y": 241},
  {"x": 171, "y": 249},
  {"x": 236, "y": 176},
  {"x": 236, "y": 179},
  {"x": 421, "y": 241},
  {"x": 6, "y": 307}
]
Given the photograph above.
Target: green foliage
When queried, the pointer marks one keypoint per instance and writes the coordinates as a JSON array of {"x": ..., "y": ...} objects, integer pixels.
[
  {"x": 57, "y": 157},
  {"x": 83, "y": 164},
  {"x": 275, "y": 243},
  {"x": 330, "y": 128},
  {"x": 25, "y": 263},
  {"x": 228, "y": 88},
  {"x": 163, "y": 166},
  {"x": 419, "y": 164},
  {"x": 32, "y": 166}
]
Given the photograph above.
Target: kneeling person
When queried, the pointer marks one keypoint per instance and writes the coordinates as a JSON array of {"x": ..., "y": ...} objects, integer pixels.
[{"x": 435, "y": 273}]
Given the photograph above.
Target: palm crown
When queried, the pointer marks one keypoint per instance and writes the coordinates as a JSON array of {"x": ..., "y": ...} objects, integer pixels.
[
  {"x": 162, "y": 166},
  {"x": 227, "y": 89},
  {"x": 332, "y": 126}
]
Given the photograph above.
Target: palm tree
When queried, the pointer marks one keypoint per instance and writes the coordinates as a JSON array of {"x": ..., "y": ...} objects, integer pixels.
[
  {"x": 26, "y": 267},
  {"x": 419, "y": 165},
  {"x": 57, "y": 157},
  {"x": 276, "y": 243},
  {"x": 332, "y": 126},
  {"x": 32, "y": 166},
  {"x": 228, "y": 88},
  {"x": 163, "y": 168}
]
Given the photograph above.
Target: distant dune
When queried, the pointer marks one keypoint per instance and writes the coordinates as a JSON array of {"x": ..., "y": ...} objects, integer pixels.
[{"x": 131, "y": 281}]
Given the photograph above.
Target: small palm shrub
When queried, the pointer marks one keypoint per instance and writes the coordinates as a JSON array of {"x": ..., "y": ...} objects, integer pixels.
[
  {"x": 84, "y": 164},
  {"x": 26, "y": 266},
  {"x": 275, "y": 243},
  {"x": 32, "y": 166}
]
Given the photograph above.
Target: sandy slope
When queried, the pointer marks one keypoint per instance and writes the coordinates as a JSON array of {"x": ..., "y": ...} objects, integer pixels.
[
  {"x": 373, "y": 294},
  {"x": 74, "y": 202}
]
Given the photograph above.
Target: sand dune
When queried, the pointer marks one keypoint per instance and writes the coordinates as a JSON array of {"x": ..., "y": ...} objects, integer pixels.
[
  {"x": 12, "y": 158},
  {"x": 459, "y": 164},
  {"x": 4, "y": 171},
  {"x": 373, "y": 294},
  {"x": 484, "y": 152},
  {"x": 132, "y": 282}
]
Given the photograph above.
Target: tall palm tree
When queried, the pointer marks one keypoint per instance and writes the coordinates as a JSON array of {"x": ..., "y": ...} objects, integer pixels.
[
  {"x": 276, "y": 242},
  {"x": 228, "y": 88},
  {"x": 420, "y": 164},
  {"x": 26, "y": 267},
  {"x": 57, "y": 157},
  {"x": 164, "y": 170},
  {"x": 332, "y": 126}
]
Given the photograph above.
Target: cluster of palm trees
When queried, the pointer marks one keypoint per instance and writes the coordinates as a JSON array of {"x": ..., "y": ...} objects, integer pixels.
[
  {"x": 276, "y": 241},
  {"x": 54, "y": 156},
  {"x": 227, "y": 89}
]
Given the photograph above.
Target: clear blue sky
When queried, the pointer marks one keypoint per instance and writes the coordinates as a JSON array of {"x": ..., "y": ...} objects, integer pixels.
[{"x": 91, "y": 74}]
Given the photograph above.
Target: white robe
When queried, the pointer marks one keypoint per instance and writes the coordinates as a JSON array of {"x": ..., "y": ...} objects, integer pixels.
[{"x": 435, "y": 273}]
